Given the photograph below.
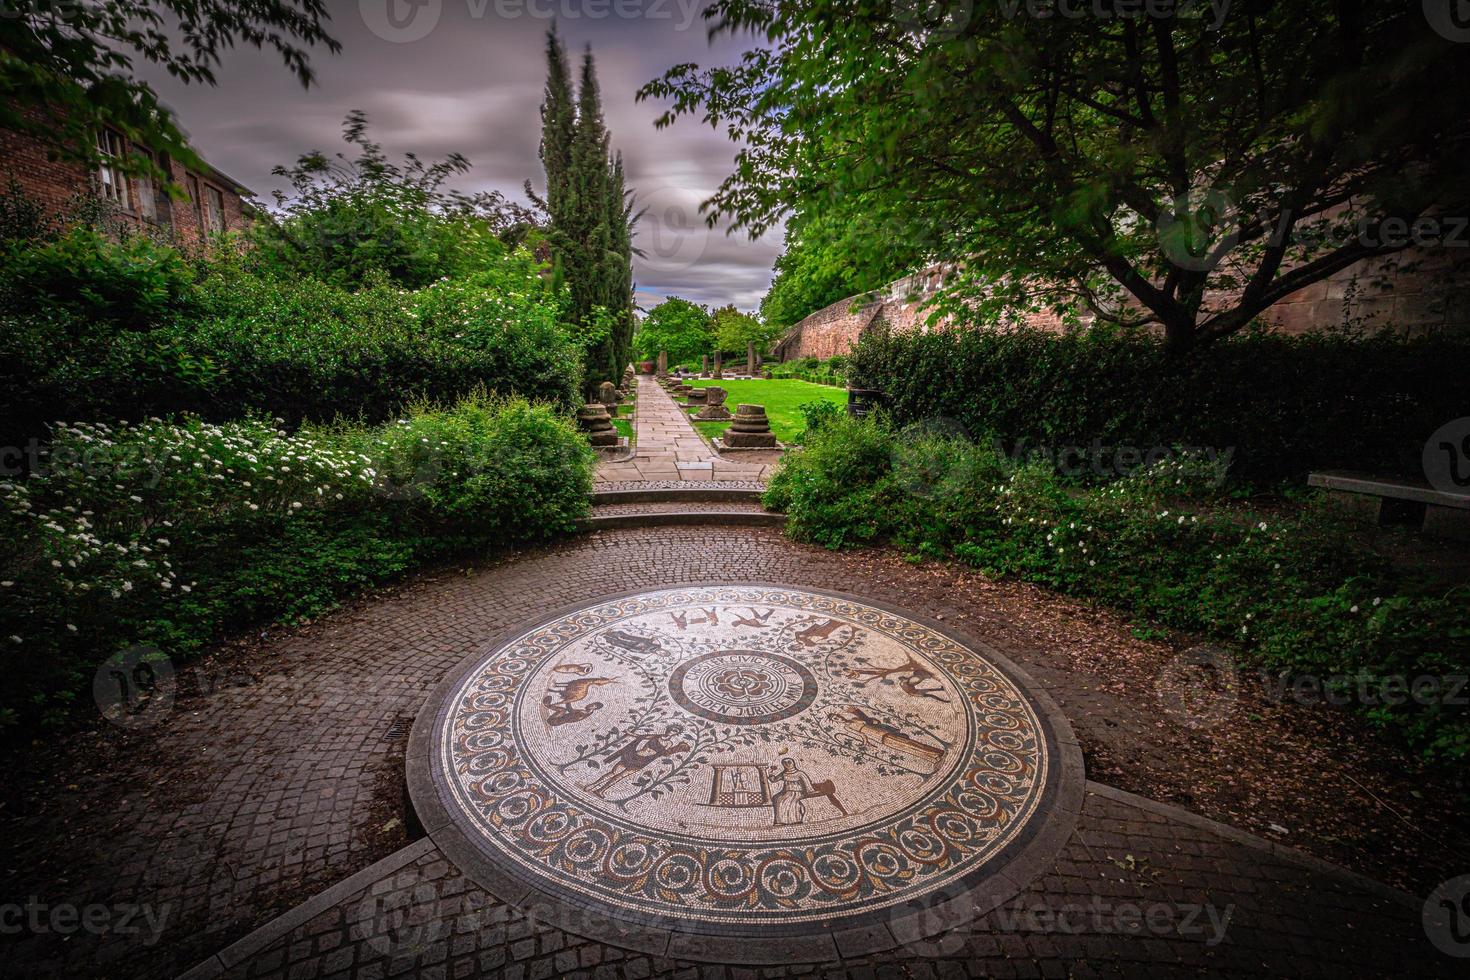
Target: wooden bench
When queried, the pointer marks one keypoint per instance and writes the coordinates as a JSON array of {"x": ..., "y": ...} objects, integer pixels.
[{"x": 1373, "y": 500}]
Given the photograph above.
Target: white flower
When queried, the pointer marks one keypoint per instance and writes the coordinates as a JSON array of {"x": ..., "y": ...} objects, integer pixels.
[
  {"x": 71, "y": 628},
  {"x": 1261, "y": 526},
  {"x": 1353, "y": 610},
  {"x": 14, "y": 638},
  {"x": 135, "y": 498}
]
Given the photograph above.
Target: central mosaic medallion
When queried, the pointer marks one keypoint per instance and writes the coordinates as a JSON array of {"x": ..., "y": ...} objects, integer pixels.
[
  {"x": 739, "y": 755},
  {"x": 743, "y": 687}
]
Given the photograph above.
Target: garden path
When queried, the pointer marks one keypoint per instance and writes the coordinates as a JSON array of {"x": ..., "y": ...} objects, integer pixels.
[
  {"x": 670, "y": 451},
  {"x": 274, "y": 785}
]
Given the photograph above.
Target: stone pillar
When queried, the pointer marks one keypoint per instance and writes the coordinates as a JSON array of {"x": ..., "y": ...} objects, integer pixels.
[
  {"x": 750, "y": 430},
  {"x": 719, "y": 372},
  {"x": 607, "y": 394},
  {"x": 714, "y": 409},
  {"x": 704, "y": 365},
  {"x": 663, "y": 364},
  {"x": 750, "y": 358},
  {"x": 592, "y": 419}
]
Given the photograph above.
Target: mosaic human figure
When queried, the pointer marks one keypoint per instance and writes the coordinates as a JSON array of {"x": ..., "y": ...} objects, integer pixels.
[
  {"x": 756, "y": 621},
  {"x": 788, "y": 803},
  {"x": 635, "y": 755}
]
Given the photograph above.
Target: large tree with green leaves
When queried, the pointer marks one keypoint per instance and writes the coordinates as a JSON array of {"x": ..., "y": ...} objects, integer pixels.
[
  {"x": 681, "y": 328},
  {"x": 68, "y": 69},
  {"x": 734, "y": 330},
  {"x": 349, "y": 221},
  {"x": 1185, "y": 166},
  {"x": 818, "y": 265},
  {"x": 591, "y": 217}
]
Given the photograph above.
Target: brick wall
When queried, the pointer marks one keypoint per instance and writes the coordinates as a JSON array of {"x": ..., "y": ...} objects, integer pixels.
[
  {"x": 1418, "y": 291},
  {"x": 56, "y": 184}
]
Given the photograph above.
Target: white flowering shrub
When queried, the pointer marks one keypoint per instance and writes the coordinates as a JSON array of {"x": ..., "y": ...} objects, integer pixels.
[
  {"x": 1294, "y": 592},
  {"x": 167, "y": 532}
]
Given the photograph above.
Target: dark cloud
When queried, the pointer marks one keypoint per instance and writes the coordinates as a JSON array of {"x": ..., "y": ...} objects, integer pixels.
[{"x": 442, "y": 76}]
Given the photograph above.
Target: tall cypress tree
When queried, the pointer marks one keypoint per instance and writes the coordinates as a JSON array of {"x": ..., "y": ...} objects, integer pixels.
[{"x": 591, "y": 221}]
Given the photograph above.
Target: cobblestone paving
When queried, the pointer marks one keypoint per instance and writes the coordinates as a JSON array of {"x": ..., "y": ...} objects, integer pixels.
[
  {"x": 273, "y": 778},
  {"x": 1133, "y": 892},
  {"x": 670, "y": 450}
]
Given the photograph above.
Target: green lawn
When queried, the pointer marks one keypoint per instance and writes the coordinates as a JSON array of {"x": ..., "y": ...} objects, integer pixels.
[{"x": 782, "y": 399}]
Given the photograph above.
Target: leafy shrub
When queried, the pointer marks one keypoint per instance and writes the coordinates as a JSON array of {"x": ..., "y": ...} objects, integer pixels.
[
  {"x": 1294, "y": 595},
  {"x": 1284, "y": 405},
  {"x": 355, "y": 222},
  {"x": 171, "y": 534},
  {"x": 299, "y": 349},
  {"x": 130, "y": 283}
]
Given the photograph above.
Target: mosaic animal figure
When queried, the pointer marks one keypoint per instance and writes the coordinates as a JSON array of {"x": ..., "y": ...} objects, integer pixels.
[
  {"x": 911, "y": 676},
  {"x": 560, "y": 706},
  {"x": 817, "y": 632},
  {"x": 633, "y": 642},
  {"x": 633, "y": 756}
]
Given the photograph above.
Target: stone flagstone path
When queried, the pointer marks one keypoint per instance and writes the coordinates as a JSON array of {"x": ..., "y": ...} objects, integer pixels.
[{"x": 669, "y": 450}]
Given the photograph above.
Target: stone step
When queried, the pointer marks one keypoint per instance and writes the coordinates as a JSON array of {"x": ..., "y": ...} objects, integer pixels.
[
  {"x": 689, "y": 493},
  {"x": 669, "y": 512}
]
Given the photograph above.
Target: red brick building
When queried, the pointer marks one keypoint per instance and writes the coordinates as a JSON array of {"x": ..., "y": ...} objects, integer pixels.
[{"x": 214, "y": 201}]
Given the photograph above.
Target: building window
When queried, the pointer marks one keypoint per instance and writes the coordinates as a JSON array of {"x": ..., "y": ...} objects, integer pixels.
[
  {"x": 214, "y": 210},
  {"x": 143, "y": 189},
  {"x": 197, "y": 199},
  {"x": 112, "y": 185}
]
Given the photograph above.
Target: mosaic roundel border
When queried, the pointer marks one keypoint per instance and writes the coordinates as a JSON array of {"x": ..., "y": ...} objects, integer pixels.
[{"x": 471, "y": 833}]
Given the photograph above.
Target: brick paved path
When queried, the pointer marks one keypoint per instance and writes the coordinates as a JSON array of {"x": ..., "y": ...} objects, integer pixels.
[
  {"x": 1136, "y": 891},
  {"x": 669, "y": 448},
  {"x": 276, "y": 780}
]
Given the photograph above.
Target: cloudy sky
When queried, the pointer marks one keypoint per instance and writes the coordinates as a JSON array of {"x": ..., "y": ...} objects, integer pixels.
[{"x": 439, "y": 76}]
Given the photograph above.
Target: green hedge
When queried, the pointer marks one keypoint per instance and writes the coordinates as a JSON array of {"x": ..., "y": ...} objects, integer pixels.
[
  {"x": 1284, "y": 405},
  {"x": 104, "y": 329},
  {"x": 1292, "y": 595},
  {"x": 174, "y": 534}
]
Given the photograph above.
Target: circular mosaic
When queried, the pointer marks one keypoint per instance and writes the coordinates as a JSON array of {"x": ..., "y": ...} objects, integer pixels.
[{"x": 739, "y": 756}]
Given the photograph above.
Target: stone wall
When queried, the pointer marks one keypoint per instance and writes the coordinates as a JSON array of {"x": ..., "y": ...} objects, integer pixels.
[{"x": 1432, "y": 294}]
